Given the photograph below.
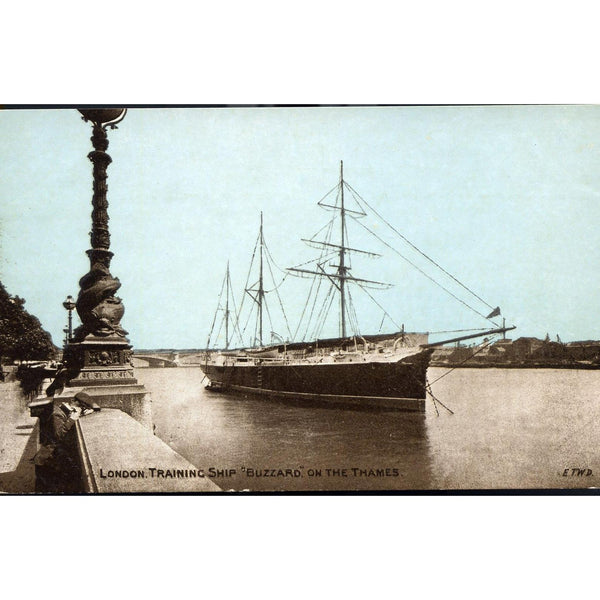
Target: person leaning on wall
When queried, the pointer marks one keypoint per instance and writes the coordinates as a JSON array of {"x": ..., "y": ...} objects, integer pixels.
[{"x": 57, "y": 468}]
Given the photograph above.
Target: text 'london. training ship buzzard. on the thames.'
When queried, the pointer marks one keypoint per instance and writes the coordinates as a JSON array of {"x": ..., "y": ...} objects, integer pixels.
[{"x": 383, "y": 370}]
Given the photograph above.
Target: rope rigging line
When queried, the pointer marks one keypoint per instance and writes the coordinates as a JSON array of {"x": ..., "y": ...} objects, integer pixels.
[
  {"x": 322, "y": 316},
  {"x": 426, "y": 275},
  {"x": 323, "y": 257},
  {"x": 271, "y": 328},
  {"x": 352, "y": 315},
  {"x": 234, "y": 320},
  {"x": 325, "y": 253},
  {"x": 348, "y": 310},
  {"x": 437, "y": 412},
  {"x": 333, "y": 189},
  {"x": 435, "y": 400},
  {"x": 305, "y": 306},
  {"x": 236, "y": 323},
  {"x": 247, "y": 280},
  {"x": 319, "y": 281},
  {"x": 417, "y": 249},
  {"x": 483, "y": 347},
  {"x": 326, "y": 314},
  {"x": 314, "y": 325},
  {"x": 278, "y": 285},
  {"x": 220, "y": 328},
  {"x": 348, "y": 254},
  {"x": 457, "y": 330},
  {"x": 357, "y": 331},
  {"x": 254, "y": 337},
  {"x": 385, "y": 313},
  {"x": 271, "y": 259},
  {"x": 270, "y": 263},
  {"x": 309, "y": 323},
  {"x": 328, "y": 224},
  {"x": 276, "y": 290},
  {"x": 248, "y": 320},
  {"x": 215, "y": 315}
]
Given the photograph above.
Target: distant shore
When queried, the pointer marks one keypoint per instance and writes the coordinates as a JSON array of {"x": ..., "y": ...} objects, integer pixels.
[{"x": 524, "y": 365}]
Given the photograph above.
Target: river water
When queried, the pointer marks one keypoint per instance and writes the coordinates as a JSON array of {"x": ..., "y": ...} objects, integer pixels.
[{"x": 511, "y": 429}]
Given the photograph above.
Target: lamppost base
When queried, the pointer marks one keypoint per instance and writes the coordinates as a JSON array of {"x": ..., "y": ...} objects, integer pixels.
[
  {"x": 101, "y": 361},
  {"x": 102, "y": 367}
]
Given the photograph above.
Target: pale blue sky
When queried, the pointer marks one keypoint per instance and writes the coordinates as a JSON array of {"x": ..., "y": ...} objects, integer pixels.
[{"x": 505, "y": 198}]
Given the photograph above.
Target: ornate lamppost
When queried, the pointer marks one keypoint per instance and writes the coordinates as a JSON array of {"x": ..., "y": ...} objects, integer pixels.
[
  {"x": 99, "y": 309},
  {"x": 98, "y": 349},
  {"x": 98, "y": 353}
]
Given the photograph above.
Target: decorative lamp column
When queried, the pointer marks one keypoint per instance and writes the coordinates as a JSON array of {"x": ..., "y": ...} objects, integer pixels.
[
  {"x": 69, "y": 305},
  {"x": 98, "y": 355}
]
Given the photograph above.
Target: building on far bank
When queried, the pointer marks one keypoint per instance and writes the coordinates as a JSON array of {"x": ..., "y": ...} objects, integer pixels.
[
  {"x": 524, "y": 351},
  {"x": 588, "y": 350}
]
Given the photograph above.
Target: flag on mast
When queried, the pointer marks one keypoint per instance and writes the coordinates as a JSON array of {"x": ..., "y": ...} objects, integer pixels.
[{"x": 494, "y": 313}]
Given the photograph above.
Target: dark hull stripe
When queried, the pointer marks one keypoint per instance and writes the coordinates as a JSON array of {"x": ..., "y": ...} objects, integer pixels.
[
  {"x": 401, "y": 404},
  {"x": 400, "y": 384}
]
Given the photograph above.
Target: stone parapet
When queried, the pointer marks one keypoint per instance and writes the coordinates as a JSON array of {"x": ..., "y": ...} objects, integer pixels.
[
  {"x": 131, "y": 399},
  {"x": 119, "y": 456}
]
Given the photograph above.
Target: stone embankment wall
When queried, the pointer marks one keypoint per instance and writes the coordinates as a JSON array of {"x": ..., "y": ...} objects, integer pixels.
[{"x": 118, "y": 454}]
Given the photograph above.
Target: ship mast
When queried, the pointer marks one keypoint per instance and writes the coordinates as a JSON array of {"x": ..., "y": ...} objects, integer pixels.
[
  {"x": 342, "y": 266},
  {"x": 341, "y": 276},
  {"x": 225, "y": 287},
  {"x": 227, "y": 309},
  {"x": 261, "y": 291},
  {"x": 257, "y": 291}
]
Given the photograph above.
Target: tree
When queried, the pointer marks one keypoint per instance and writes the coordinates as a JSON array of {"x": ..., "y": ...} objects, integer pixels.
[{"x": 21, "y": 334}]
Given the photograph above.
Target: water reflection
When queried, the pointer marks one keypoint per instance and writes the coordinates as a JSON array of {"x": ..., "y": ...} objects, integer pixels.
[{"x": 332, "y": 448}]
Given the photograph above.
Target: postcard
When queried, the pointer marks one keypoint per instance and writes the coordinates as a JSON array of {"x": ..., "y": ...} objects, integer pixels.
[{"x": 299, "y": 299}]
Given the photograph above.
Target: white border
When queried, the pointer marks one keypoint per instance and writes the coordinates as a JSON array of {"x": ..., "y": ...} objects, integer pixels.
[{"x": 514, "y": 52}]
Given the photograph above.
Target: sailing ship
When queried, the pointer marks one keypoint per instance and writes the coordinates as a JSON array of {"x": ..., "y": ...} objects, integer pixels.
[{"x": 385, "y": 370}]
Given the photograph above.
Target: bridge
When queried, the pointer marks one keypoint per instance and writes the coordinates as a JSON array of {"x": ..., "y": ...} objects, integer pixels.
[
  {"x": 164, "y": 357},
  {"x": 147, "y": 360}
]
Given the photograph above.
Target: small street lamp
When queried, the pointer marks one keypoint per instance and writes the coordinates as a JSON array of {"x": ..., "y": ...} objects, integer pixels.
[{"x": 69, "y": 304}]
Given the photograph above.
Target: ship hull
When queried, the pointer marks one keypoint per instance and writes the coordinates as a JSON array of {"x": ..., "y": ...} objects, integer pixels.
[{"x": 396, "y": 385}]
